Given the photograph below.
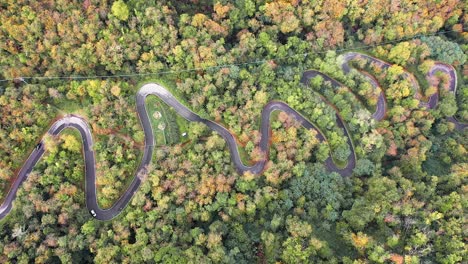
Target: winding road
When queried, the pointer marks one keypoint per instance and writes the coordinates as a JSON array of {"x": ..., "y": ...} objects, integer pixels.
[
  {"x": 432, "y": 101},
  {"x": 381, "y": 106},
  {"x": 71, "y": 121},
  {"x": 76, "y": 122}
]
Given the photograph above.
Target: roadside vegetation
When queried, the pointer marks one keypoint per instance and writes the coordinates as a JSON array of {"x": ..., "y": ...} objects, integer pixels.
[{"x": 404, "y": 203}]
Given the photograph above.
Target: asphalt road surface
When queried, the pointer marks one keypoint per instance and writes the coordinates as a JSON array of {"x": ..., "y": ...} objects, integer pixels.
[
  {"x": 381, "y": 107},
  {"x": 71, "y": 121},
  {"x": 432, "y": 101}
]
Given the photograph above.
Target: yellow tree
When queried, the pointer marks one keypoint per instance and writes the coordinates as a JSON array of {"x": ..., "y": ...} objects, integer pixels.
[{"x": 71, "y": 143}]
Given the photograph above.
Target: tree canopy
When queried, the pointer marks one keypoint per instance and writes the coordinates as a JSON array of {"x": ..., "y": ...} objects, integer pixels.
[{"x": 405, "y": 201}]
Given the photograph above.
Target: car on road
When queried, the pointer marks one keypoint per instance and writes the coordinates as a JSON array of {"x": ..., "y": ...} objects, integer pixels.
[
  {"x": 93, "y": 213},
  {"x": 38, "y": 146}
]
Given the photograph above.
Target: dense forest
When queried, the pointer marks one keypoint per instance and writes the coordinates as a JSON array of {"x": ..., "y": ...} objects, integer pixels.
[{"x": 405, "y": 201}]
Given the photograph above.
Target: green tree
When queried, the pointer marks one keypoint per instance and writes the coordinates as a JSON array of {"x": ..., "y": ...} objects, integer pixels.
[{"x": 120, "y": 10}]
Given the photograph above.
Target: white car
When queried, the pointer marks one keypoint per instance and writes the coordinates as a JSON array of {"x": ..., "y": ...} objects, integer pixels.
[{"x": 93, "y": 213}]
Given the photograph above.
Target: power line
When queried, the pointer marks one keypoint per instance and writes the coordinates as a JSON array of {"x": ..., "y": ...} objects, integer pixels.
[{"x": 259, "y": 61}]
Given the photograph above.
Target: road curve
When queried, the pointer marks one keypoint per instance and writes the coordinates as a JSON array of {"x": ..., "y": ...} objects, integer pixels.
[
  {"x": 381, "y": 107},
  {"x": 432, "y": 100},
  {"x": 329, "y": 163},
  {"x": 72, "y": 121}
]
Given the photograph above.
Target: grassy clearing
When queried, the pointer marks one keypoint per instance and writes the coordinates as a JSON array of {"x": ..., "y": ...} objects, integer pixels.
[
  {"x": 182, "y": 124},
  {"x": 154, "y": 110},
  {"x": 68, "y": 106}
]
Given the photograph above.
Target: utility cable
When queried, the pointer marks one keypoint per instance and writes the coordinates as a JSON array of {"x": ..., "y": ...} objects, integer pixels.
[{"x": 258, "y": 61}]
